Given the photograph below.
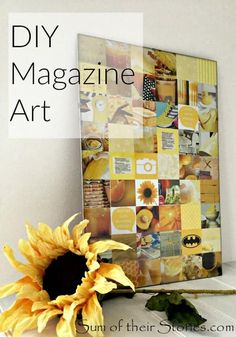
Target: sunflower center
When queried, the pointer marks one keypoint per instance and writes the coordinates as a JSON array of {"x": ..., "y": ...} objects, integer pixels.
[
  {"x": 147, "y": 192},
  {"x": 64, "y": 274}
]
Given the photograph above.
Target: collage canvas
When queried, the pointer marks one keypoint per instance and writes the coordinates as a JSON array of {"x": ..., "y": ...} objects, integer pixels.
[{"x": 150, "y": 160}]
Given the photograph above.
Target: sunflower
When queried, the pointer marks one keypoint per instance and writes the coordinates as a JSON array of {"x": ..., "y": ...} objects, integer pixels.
[
  {"x": 147, "y": 192},
  {"x": 62, "y": 277}
]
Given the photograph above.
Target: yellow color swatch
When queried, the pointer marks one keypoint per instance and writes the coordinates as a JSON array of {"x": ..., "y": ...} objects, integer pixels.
[
  {"x": 186, "y": 67},
  {"x": 191, "y": 216}
]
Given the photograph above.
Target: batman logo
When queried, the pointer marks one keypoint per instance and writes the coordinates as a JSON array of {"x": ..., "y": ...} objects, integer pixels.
[{"x": 191, "y": 241}]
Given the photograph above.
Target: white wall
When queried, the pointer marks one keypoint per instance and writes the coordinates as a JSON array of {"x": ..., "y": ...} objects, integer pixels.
[{"x": 39, "y": 179}]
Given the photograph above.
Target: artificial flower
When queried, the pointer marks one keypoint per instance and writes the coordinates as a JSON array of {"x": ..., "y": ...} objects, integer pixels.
[{"x": 62, "y": 277}]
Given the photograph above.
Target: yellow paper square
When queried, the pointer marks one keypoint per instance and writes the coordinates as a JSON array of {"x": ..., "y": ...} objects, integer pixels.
[
  {"x": 94, "y": 74},
  {"x": 206, "y": 71},
  {"x": 191, "y": 241},
  {"x": 191, "y": 216},
  {"x": 186, "y": 67},
  {"x": 146, "y": 165},
  {"x": 122, "y": 166},
  {"x": 168, "y": 141}
]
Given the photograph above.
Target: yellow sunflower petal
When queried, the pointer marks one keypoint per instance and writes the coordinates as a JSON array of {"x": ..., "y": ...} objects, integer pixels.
[
  {"x": 115, "y": 273},
  {"x": 102, "y": 246},
  {"x": 103, "y": 286},
  {"x": 45, "y": 316},
  {"x": 34, "y": 272},
  {"x": 13, "y": 287},
  {"x": 25, "y": 323},
  {"x": 67, "y": 328},
  {"x": 33, "y": 294},
  {"x": 31, "y": 255},
  {"x": 82, "y": 243},
  {"x": 93, "y": 317},
  {"x": 78, "y": 230},
  {"x": 69, "y": 310},
  {"x": 10, "y": 317}
]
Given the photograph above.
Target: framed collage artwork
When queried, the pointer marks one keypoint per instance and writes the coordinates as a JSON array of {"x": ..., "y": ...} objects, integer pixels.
[{"x": 149, "y": 148}]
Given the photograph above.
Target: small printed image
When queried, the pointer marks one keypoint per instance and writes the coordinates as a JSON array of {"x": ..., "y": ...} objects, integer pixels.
[
  {"x": 94, "y": 137},
  {"x": 120, "y": 111},
  {"x": 188, "y": 118},
  {"x": 193, "y": 93},
  {"x": 147, "y": 219},
  {"x": 147, "y": 141},
  {"x": 167, "y": 141},
  {"x": 188, "y": 142},
  {"x": 122, "y": 166},
  {"x": 146, "y": 165},
  {"x": 212, "y": 264},
  {"x": 167, "y": 115},
  {"x": 149, "y": 88},
  {"x": 210, "y": 191},
  {"x": 169, "y": 192},
  {"x": 168, "y": 166},
  {"x": 99, "y": 222},
  {"x": 148, "y": 111},
  {"x": 122, "y": 193},
  {"x": 166, "y": 84},
  {"x": 189, "y": 166},
  {"x": 210, "y": 216},
  {"x": 191, "y": 215},
  {"x": 132, "y": 270},
  {"x": 150, "y": 246},
  {"x": 208, "y": 144},
  {"x": 209, "y": 168},
  {"x": 192, "y": 267},
  {"x": 170, "y": 218},
  {"x": 170, "y": 243},
  {"x": 96, "y": 193},
  {"x": 189, "y": 191},
  {"x": 117, "y": 54},
  {"x": 95, "y": 165},
  {"x": 171, "y": 269},
  {"x": 93, "y": 50},
  {"x": 183, "y": 92},
  {"x": 150, "y": 272},
  {"x": 123, "y": 220},
  {"x": 93, "y": 107},
  {"x": 115, "y": 84},
  {"x": 129, "y": 254},
  {"x": 147, "y": 192},
  {"x": 211, "y": 241},
  {"x": 192, "y": 242},
  {"x": 207, "y": 105}
]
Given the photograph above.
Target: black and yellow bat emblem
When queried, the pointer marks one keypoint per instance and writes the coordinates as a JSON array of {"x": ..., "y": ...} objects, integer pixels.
[{"x": 191, "y": 241}]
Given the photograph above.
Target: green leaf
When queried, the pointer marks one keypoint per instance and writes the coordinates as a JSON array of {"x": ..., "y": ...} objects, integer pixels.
[
  {"x": 179, "y": 311},
  {"x": 184, "y": 314},
  {"x": 158, "y": 302}
]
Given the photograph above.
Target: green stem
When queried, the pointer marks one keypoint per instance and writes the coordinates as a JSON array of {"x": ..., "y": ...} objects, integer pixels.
[{"x": 180, "y": 291}]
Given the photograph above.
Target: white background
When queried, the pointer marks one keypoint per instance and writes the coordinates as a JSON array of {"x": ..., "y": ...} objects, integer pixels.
[{"x": 39, "y": 179}]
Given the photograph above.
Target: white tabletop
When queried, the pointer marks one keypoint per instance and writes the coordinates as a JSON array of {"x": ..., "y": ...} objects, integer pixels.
[{"x": 220, "y": 311}]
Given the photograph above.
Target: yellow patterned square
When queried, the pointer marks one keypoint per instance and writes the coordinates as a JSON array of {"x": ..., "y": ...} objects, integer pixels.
[
  {"x": 191, "y": 216},
  {"x": 168, "y": 141},
  {"x": 146, "y": 165},
  {"x": 206, "y": 71},
  {"x": 186, "y": 67}
]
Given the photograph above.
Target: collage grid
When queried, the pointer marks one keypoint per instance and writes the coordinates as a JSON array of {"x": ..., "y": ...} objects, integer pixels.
[{"x": 150, "y": 161}]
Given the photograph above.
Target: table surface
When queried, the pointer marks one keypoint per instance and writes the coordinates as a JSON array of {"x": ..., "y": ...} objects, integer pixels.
[{"x": 220, "y": 311}]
